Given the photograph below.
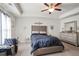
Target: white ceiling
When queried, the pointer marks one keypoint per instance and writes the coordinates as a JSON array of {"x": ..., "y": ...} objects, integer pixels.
[{"x": 34, "y": 9}]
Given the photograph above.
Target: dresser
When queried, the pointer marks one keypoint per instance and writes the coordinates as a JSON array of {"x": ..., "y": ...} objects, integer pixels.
[{"x": 72, "y": 38}]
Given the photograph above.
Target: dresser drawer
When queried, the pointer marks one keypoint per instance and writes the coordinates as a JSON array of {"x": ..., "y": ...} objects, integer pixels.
[{"x": 71, "y": 37}]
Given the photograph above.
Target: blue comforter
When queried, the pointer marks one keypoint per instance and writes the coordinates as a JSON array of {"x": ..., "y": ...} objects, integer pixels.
[{"x": 40, "y": 41}]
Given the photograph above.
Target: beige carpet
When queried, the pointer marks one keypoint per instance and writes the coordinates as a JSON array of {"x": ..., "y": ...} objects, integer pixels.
[{"x": 70, "y": 50}]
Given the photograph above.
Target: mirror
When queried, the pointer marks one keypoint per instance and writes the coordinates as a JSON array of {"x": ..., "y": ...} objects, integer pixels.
[{"x": 71, "y": 26}]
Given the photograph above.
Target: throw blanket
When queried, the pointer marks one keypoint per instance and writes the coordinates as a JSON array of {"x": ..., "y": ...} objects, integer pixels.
[{"x": 40, "y": 41}]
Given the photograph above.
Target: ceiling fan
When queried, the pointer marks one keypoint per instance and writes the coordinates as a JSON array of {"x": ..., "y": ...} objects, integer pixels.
[{"x": 51, "y": 7}]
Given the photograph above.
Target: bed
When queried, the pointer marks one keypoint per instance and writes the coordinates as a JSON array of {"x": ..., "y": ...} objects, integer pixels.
[{"x": 42, "y": 43}]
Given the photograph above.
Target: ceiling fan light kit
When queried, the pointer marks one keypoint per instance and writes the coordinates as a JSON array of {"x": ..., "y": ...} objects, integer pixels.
[{"x": 51, "y": 10}]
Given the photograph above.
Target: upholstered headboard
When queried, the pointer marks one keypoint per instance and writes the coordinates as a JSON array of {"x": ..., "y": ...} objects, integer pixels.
[{"x": 39, "y": 29}]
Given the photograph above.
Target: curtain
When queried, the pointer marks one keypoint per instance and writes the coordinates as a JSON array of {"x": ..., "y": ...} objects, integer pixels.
[{"x": 6, "y": 27}]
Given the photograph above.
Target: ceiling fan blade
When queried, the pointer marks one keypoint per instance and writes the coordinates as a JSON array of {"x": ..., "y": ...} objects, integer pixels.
[
  {"x": 58, "y": 9},
  {"x": 44, "y": 10},
  {"x": 57, "y": 4},
  {"x": 49, "y": 12},
  {"x": 46, "y": 4}
]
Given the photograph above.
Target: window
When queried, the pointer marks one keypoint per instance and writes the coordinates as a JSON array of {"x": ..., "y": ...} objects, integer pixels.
[
  {"x": 0, "y": 28},
  {"x": 5, "y": 27}
]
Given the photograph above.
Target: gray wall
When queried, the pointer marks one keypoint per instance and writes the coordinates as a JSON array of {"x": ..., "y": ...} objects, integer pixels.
[
  {"x": 23, "y": 26},
  {"x": 69, "y": 19}
]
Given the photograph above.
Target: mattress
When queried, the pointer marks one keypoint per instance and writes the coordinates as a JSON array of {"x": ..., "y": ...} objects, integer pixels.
[{"x": 47, "y": 50}]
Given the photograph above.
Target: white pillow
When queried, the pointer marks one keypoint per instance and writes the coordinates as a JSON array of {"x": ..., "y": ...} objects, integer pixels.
[
  {"x": 43, "y": 32},
  {"x": 35, "y": 31}
]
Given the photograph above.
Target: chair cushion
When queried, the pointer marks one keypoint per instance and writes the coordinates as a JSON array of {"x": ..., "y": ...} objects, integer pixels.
[{"x": 10, "y": 42}]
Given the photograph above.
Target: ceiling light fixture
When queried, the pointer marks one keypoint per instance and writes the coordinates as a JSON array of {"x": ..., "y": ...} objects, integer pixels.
[{"x": 51, "y": 10}]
